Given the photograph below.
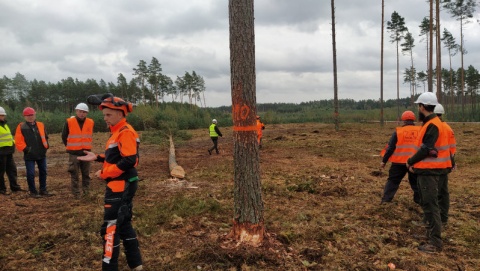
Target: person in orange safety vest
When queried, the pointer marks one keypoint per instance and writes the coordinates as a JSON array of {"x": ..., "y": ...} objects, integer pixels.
[
  {"x": 77, "y": 137},
  {"x": 432, "y": 160},
  {"x": 444, "y": 196},
  {"x": 399, "y": 148},
  {"x": 260, "y": 128},
  {"x": 120, "y": 175},
  {"x": 31, "y": 138}
]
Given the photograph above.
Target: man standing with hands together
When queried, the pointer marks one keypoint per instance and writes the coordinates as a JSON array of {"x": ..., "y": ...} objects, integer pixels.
[{"x": 77, "y": 137}]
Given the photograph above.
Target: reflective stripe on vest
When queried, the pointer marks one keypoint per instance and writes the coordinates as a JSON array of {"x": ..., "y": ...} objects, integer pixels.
[
  {"x": 406, "y": 143},
  {"x": 452, "y": 142},
  {"x": 79, "y": 139},
  {"x": 213, "y": 133},
  {"x": 443, "y": 159},
  {"x": 6, "y": 138}
]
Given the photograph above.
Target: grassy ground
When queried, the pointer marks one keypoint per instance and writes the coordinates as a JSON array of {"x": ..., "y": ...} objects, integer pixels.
[{"x": 321, "y": 190}]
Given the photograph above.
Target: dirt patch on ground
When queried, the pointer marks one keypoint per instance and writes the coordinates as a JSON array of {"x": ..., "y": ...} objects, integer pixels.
[{"x": 321, "y": 190}]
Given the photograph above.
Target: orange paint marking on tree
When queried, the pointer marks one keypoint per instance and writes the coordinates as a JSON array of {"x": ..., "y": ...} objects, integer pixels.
[
  {"x": 244, "y": 128},
  {"x": 240, "y": 112}
]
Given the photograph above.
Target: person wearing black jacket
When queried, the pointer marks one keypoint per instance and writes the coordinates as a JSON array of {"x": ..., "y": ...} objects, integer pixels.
[
  {"x": 31, "y": 138},
  {"x": 77, "y": 138},
  {"x": 214, "y": 134},
  {"x": 399, "y": 148},
  {"x": 432, "y": 160},
  {"x": 7, "y": 163}
]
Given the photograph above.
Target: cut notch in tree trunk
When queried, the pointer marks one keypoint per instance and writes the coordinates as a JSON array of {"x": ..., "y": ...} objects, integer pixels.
[{"x": 247, "y": 233}]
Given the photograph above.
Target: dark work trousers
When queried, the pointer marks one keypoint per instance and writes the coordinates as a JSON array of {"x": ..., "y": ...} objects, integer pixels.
[
  {"x": 117, "y": 225},
  {"x": 75, "y": 167},
  {"x": 429, "y": 186},
  {"x": 395, "y": 176},
  {"x": 215, "y": 144},
  {"x": 443, "y": 198},
  {"x": 42, "y": 174},
  {"x": 7, "y": 165}
]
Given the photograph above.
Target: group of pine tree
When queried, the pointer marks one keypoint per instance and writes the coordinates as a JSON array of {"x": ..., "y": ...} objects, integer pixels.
[
  {"x": 148, "y": 86},
  {"x": 457, "y": 86}
]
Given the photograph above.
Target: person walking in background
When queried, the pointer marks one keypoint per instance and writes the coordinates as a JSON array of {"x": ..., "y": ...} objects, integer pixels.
[
  {"x": 120, "y": 174},
  {"x": 260, "y": 128},
  {"x": 430, "y": 162},
  {"x": 214, "y": 134},
  {"x": 399, "y": 148},
  {"x": 77, "y": 138},
  {"x": 7, "y": 163},
  {"x": 444, "y": 194},
  {"x": 31, "y": 138}
]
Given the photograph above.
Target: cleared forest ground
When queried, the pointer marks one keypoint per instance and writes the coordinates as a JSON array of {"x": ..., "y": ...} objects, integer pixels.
[{"x": 321, "y": 190}]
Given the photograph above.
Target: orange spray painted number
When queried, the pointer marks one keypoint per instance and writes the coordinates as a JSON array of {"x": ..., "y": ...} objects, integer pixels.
[{"x": 240, "y": 112}]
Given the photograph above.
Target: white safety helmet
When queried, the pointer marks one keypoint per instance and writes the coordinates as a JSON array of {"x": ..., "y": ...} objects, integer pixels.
[
  {"x": 439, "y": 109},
  {"x": 82, "y": 106},
  {"x": 427, "y": 98},
  {"x": 2, "y": 111},
  {"x": 214, "y": 121}
]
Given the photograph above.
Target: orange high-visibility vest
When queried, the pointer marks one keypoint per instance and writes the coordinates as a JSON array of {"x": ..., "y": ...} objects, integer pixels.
[
  {"x": 451, "y": 139},
  {"x": 20, "y": 140},
  {"x": 406, "y": 144},
  {"x": 443, "y": 159},
  {"x": 79, "y": 139}
]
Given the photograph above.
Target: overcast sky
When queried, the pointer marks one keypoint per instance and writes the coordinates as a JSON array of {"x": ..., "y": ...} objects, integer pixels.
[{"x": 51, "y": 40}]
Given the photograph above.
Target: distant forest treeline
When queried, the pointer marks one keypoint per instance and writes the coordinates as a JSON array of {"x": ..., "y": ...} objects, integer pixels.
[{"x": 55, "y": 102}]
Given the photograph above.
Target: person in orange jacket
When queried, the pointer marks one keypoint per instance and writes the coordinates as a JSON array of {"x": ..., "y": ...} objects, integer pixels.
[
  {"x": 31, "y": 138},
  {"x": 444, "y": 195},
  {"x": 77, "y": 137},
  {"x": 120, "y": 175},
  {"x": 399, "y": 148},
  {"x": 432, "y": 160},
  {"x": 260, "y": 128}
]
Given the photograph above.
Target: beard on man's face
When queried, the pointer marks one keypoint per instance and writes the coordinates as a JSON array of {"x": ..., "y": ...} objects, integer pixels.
[{"x": 421, "y": 116}]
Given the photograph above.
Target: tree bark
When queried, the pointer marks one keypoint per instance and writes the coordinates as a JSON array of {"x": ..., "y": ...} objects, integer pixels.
[
  {"x": 335, "y": 85},
  {"x": 248, "y": 226},
  {"x": 430, "y": 51},
  {"x": 175, "y": 170},
  {"x": 382, "y": 123}
]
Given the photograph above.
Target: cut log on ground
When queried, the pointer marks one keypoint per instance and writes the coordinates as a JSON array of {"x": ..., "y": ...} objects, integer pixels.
[{"x": 175, "y": 170}]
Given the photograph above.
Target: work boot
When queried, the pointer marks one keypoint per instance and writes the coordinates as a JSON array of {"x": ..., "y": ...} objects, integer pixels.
[
  {"x": 44, "y": 193},
  {"x": 429, "y": 248},
  {"x": 210, "y": 152},
  {"x": 34, "y": 195},
  {"x": 138, "y": 268},
  {"x": 385, "y": 201},
  {"x": 17, "y": 189}
]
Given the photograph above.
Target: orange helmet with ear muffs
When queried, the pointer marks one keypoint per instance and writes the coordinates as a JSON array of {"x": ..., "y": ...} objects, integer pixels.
[{"x": 116, "y": 103}]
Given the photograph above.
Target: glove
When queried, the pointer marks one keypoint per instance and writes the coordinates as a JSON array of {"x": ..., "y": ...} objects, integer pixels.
[{"x": 27, "y": 150}]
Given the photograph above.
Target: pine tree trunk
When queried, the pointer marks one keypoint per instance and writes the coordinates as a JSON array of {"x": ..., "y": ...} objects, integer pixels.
[{"x": 248, "y": 223}]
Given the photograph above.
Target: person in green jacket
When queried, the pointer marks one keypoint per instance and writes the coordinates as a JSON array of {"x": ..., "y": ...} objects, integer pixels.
[{"x": 214, "y": 134}]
